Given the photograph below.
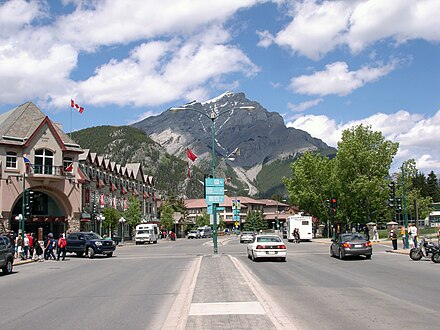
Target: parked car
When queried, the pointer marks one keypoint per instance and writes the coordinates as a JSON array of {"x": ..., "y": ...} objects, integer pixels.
[
  {"x": 89, "y": 243},
  {"x": 6, "y": 255},
  {"x": 246, "y": 236},
  {"x": 194, "y": 234},
  {"x": 267, "y": 246},
  {"x": 351, "y": 244}
]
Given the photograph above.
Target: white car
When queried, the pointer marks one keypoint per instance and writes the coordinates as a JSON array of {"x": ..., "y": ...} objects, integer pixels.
[
  {"x": 267, "y": 246},
  {"x": 246, "y": 236},
  {"x": 194, "y": 234}
]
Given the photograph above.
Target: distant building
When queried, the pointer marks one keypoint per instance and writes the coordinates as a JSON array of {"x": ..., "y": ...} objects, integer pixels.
[
  {"x": 70, "y": 185},
  {"x": 271, "y": 210}
]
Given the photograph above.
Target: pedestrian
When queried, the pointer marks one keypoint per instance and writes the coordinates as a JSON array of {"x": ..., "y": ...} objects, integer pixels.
[
  {"x": 31, "y": 244},
  {"x": 49, "y": 246},
  {"x": 296, "y": 235},
  {"x": 375, "y": 234},
  {"x": 61, "y": 247},
  {"x": 19, "y": 247},
  {"x": 403, "y": 234},
  {"x": 367, "y": 232},
  {"x": 393, "y": 237},
  {"x": 413, "y": 231},
  {"x": 25, "y": 245},
  {"x": 38, "y": 251}
]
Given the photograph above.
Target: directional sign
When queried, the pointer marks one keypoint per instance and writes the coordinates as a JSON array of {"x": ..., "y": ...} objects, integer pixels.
[
  {"x": 215, "y": 190},
  {"x": 236, "y": 223}
]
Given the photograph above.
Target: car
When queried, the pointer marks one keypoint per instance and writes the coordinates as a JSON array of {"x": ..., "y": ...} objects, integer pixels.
[
  {"x": 246, "y": 236},
  {"x": 267, "y": 246},
  {"x": 6, "y": 255},
  {"x": 351, "y": 244},
  {"x": 89, "y": 243},
  {"x": 194, "y": 234}
]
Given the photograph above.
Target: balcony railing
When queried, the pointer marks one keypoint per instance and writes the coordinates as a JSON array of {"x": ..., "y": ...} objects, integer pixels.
[{"x": 50, "y": 170}]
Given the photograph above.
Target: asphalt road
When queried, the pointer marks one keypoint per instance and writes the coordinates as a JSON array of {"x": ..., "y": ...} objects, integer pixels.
[
  {"x": 387, "y": 292},
  {"x": 136, "y": 288}
]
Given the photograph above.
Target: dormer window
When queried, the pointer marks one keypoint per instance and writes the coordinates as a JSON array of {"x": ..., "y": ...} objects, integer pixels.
[
  {"x": 68, "y": 164},
  {"x": 11, "y": 159}
]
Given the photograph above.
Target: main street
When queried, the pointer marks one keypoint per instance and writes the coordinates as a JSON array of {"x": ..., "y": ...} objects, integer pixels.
[{"x": 137, "y": 288}]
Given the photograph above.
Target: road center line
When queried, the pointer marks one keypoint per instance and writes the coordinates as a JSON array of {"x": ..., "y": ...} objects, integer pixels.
[{"x": 252, "y": 307}]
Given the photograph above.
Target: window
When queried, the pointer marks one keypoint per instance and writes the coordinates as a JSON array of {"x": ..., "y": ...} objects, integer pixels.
[
  {"x": 43, "y": 161},
  {"x": 11, "y": 159},
  {"x": 68, "y": 164}
]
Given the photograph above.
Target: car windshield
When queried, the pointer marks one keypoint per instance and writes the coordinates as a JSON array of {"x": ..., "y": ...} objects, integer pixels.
[
  {"x": 268, "y": 239},
  {"x": 353, "y": 237},
  {"x": 92, "y": 236}
]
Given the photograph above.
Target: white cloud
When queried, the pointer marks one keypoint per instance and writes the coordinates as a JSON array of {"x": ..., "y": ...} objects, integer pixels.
[
  {"x": 417, "y": 136},
  {"x": 318, "y": 27},
  {"x": 304, "y": 105},
  {"x": 337, "y": 79}
]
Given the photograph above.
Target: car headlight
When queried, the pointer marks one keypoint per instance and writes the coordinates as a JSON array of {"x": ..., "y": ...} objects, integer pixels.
[{"x": 98, "y": 243}]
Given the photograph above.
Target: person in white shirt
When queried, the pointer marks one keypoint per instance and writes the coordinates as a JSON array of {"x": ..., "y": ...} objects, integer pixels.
[
  {"x": 375, "y": 234},
  {"x": 413, "y": 231}
]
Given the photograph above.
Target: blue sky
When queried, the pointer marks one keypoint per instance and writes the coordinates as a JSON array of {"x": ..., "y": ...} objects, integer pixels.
[{"x": 323, "y": 65}]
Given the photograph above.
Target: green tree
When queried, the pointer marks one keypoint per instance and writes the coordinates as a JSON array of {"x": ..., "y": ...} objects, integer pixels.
[
  {"x": 202, "y": 220},
  {"x": 433, "y": 189},
  {"x": 166, "y": 216},
  {"x": 362, "y": 165},
  {"x": 255, "y": 221},
  {"x": 311, "y": 184},
  {"x": 112, "y": 217},
  {"x": 413, "y": 193},
  {"x": 133, "y": 212}
]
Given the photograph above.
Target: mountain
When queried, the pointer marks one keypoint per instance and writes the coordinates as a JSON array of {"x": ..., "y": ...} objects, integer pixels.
[
  {"x": 124, "y": 144},
  {"x": 261, "y": 136}
]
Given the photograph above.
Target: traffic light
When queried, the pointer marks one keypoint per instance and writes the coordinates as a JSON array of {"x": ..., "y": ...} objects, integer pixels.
[
  {"x": 392, "y": 197},
  {"x": 333, "y": 205},
  {"x": 29, "y": 201},
  {"x": 94, "y": 208},
  {"x": 398, "y": 204},
  {"x": 234, "y": 205}
]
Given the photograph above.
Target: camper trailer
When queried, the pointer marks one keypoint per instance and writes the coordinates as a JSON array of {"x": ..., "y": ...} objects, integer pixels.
[{"x": 146, "y": 233}]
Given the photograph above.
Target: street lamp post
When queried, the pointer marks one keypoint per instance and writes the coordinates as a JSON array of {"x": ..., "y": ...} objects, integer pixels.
[
  {"x": 122, "y": 222},
  {"x": 213, "y": 117},
  {"x": 100, "y": 219}
]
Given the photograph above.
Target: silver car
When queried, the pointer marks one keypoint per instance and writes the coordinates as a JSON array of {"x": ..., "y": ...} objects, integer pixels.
[{"x": 246, "y": 236}]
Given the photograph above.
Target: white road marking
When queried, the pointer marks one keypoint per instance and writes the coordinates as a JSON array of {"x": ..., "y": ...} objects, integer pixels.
[{"x": 252, "y": 307}]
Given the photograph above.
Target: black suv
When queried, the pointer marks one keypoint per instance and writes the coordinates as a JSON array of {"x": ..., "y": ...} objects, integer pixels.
[
  {"x": 6, "y": 254},
  {"x": 89, "y": 243}
]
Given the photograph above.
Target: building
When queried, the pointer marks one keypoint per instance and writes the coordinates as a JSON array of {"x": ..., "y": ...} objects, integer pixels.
[
  {"x": 272, "y": 210},
  {"x": 68, "y": 186}
]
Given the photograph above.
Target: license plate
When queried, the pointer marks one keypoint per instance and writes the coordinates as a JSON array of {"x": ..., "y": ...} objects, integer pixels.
[
  {"x": 358, "y": 245},
  {"x": 272, "y": 252}
]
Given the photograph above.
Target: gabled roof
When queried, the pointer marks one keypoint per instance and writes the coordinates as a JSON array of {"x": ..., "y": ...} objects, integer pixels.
[{"x": 19, "y": 125}]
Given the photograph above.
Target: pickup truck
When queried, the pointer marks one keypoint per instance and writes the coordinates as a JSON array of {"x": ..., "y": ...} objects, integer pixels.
[
  {"x": 89, "y": 243},
  {"x": 6, "y": 254}
]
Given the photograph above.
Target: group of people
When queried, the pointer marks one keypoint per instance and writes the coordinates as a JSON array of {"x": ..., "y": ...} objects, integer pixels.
[
  {"x": 29, "y": 247},
  {"x": 412, "y": 236}
]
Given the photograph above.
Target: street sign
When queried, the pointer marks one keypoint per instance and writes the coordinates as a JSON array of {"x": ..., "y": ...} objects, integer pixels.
[
  {"x": 236, "y": 218},
  {"x": 236, "y": 223},
  {"x": 215, "y": 190},
  {"x": 218, "y": 208}
]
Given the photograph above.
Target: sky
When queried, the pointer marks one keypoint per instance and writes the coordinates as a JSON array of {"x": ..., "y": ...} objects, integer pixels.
[{"x": 325, "y": 66}]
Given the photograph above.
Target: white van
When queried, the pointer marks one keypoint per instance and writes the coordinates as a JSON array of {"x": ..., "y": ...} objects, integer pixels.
[
  {"x": 205, "y": 231},
  {"x": 146, "y": 233},
  {"x": 303, "y": 223}
]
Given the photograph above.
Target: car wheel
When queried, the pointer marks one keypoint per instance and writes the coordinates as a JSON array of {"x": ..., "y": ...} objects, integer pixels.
[
  {"x": 331, "y": 252},
  {"x": 7, "y": 269},
  {"x": 283, "y": 259},
  {"x": 79, "y": 254},
  {"x": 341, "y": 254},
  {"x": 90, "y": 253},
  {"x": 368, "y": 256},
  {"x": 137, "y": 243},
  {"x": 109, "y": 255},
  {"x": 253, "y": 257},
  {"x": 241, "y": 241},
  {"x": 155, "y": 242}
]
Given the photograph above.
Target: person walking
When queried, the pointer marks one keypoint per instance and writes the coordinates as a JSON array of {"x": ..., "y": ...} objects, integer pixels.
[
  {"x": 19, "y": 247},
  {"x": 25, "y": 246},
  {"x": 49, "y": 246},
  {"x": 413, "y": 231},
  {"x": 61, "y": 247},
  {"x": 38, "y": 251},
  {"x": 375, "y": 234},
  {"x": 403, "y": 234},
  {"x": 393, "y": 236}
]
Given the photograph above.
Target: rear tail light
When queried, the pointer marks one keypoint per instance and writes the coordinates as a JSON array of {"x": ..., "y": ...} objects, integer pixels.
[
  {"x": 368, "y": 243},
  {"x": 281, "y": 247},
  {"x": 346, "y": 245},
  {"x": 260, "y": 247}
]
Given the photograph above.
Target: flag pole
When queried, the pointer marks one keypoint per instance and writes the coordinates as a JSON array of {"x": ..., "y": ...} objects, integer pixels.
[{"x": 71, "y": 120}]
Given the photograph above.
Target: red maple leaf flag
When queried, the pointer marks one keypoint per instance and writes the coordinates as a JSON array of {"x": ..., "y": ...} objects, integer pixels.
[
  {"x": 75, "y": 105},
  {"x": 191, "y": 155}
]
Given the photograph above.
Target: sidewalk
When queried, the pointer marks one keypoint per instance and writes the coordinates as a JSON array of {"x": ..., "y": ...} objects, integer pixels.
[{"x": 223, "y": 295}]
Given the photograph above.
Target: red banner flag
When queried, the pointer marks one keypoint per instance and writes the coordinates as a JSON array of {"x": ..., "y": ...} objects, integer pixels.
[{"x": 190, "y": 154}]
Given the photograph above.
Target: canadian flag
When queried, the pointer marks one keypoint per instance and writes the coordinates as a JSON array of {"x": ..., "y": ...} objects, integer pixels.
[
  {"x": 69, "y": 168},
  {"x": 75, "y": 105},
  {"x": 192, "y": 156}
]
